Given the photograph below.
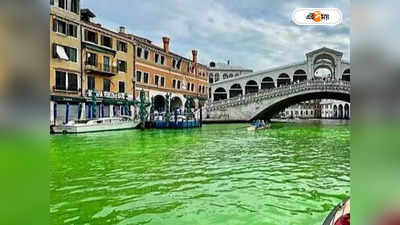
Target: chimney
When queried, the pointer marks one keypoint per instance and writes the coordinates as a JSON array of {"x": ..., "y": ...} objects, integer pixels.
[
  {"x": 166, "y": 44},
  {"x": 122, "y": 29},
  {"x": 194, "y": 54}
]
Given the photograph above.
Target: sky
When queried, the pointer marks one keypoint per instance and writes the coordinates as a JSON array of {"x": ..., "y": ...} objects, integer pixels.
[{"x": 255, "y": 34}]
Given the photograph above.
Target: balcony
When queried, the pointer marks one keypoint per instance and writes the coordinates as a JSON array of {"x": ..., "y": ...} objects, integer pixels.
[{"x": 104, "y": 69}]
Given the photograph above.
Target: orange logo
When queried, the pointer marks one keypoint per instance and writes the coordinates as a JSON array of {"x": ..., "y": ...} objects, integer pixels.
[{"x": 317, "y": 16}]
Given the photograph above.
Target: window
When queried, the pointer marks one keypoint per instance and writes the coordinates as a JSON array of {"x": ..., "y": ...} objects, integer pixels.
[
  {"x": 60, "y": 26},
  {"x": 91, "y": 83},
  {"x": 61, "y": 4},
  {"x": 192, "y": 88},
  {"x": 204, "y": 89},
  {"x": 162, "y": 60},
  {"x": 122, "y": 46},
  {"x": 75, "y": 6},
  {"x": 156, "y": 79},
  {"x": 90, "y": 36},
  {"x": 106, "y": 85},
  {"x": 188, "y": 86},
  {"x": 122, "y": 66},
  {"x": 146, "y": 78},
  {"x": 139, "y": 52},
  {"x": 178, "y": 64},
  {"x": 139, "y": 76},
  {"x": 106, "y": 62},
  {"x": 178, "y": 84},
  {"x": 61, "y": 80},
  {"x": 121, "y": 87},
  {"x": 106, "y": 41},
  {"x": 146, "y": 54},
  {"x": 156, "y": 56},
  {"x": 72, "y": 82},
  {"x": 66, "y": 81},
  {"x": 91, "y": 59},
  {"x": 64, "y": 52},
  {"x": 71, "y": 53},
  {"x": 162, "y": 82},
  {"x": 51, "y": 2},
  {"x": 199, "y": 89},
  {"x": 72, "y": 30},
  {"x": 174, "y": 63},
  {"x": 174, "y": 84}
]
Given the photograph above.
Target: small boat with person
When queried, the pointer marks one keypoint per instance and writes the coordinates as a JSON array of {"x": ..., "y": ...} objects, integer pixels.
[
  {"x": 101, "y": 124},
  {"x": 259, "y": 125}
]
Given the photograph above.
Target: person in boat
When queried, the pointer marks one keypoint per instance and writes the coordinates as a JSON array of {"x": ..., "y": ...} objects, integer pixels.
[{"x": 262, "y": 124}]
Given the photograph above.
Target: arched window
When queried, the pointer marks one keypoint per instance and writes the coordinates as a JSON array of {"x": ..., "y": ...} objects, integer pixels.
[
  {"x": 235, "y": 90},
  {"x": 346, "y": 75},
  {"x": 251, "y": 87},
  {"x": 267, "y": 83},
  {"x": 283, "y": 79},
  {"x": 220, "y": 94},
  {"x": 299, "y": 76}
]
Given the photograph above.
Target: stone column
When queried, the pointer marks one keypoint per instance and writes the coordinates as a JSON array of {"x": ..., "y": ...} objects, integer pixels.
[
  {"x": 111, "y": 111},
  {"x": 83, "y": 113},
  {"x": 132, "y": 111},
  {"x": 51, "y": 112}
]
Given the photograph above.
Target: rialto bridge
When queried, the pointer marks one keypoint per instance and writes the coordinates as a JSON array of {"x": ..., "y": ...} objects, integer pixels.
[{"x": 264, "y": 93}]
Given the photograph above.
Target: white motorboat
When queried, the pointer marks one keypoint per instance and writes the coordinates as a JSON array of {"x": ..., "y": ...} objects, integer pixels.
[{"x": 101, "y": 124}]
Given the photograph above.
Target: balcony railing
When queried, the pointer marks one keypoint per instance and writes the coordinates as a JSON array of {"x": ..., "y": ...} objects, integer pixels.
[{"x": 100, "y": 68}]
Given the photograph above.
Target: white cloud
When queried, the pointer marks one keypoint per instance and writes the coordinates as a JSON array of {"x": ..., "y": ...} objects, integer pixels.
[{"x": 219, "y": 33}]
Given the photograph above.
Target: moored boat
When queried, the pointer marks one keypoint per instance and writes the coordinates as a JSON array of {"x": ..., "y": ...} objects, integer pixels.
[
  {"x": 340, "y": 215},
  {"x": 101, "y": 124}
]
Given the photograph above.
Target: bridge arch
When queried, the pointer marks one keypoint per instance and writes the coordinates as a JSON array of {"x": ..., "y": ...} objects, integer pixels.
[
  {"x": 347, "y": 111},
  {"x": 251, "y": 87},
  {"x": 267, "y": 83},
  {"x": 235, "y": 90},
  {"x": 346, "y": 75},
  {"x": 283, "y": 79},
  {"x": 225, "y": 76},
  {"x": 299, "y": 75},
  {"x": 220, "y": 94},
  {"x": 283, "y": 103}
]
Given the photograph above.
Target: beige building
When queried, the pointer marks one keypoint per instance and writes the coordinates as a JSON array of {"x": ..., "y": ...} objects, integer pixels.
[{"x": 65, "y": 60}]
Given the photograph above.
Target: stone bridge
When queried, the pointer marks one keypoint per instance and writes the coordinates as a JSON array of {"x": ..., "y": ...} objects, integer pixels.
[{"x": 266, "y": 103}]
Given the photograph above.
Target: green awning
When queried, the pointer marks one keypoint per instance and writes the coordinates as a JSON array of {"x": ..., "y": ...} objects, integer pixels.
[
  {"x": 66, "y": 99},
  {"x": 98, "y": 49}
]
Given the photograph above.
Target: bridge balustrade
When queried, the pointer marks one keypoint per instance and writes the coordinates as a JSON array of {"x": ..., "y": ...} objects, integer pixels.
[{"x": 281, "y": 91}]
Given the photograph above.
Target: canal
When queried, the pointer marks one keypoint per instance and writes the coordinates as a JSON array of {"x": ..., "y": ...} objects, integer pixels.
[{"x": 216, "y": 175}]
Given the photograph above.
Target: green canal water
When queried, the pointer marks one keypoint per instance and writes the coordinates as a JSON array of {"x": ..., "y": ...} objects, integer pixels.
[{"x": 216, "y": 175}]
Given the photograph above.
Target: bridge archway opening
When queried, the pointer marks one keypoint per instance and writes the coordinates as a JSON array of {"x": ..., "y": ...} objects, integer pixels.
[
  {"x": 235, "y": 90},
  {"x": 340, "y": 112},
  {"x": 159, "y": 103},
  {"x": 347, "y": 111},
  {"x": 176, "y": 103},
  {"x": 335, "y": 112},
  {"x": 277, "y": 107},
  {"x": 299, "y": 76},
  {"x": 346, "y": 75},
  {"x": 220, "y": 94},
  {"x": 251, "y": 87},
  {"x": 225, "y": 76},
  {"x": 323, "y": 72},
  {"x": 231, "y": 75},
  {"x": 267, "y": 83},
  {"x": 283, "y": 79}
]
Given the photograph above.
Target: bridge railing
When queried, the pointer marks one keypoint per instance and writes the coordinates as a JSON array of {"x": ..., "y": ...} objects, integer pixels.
[{"x": 284, "y": 90}]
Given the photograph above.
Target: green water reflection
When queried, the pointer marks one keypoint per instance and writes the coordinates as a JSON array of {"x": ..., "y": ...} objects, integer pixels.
[{"x": 219, "y": 174}]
